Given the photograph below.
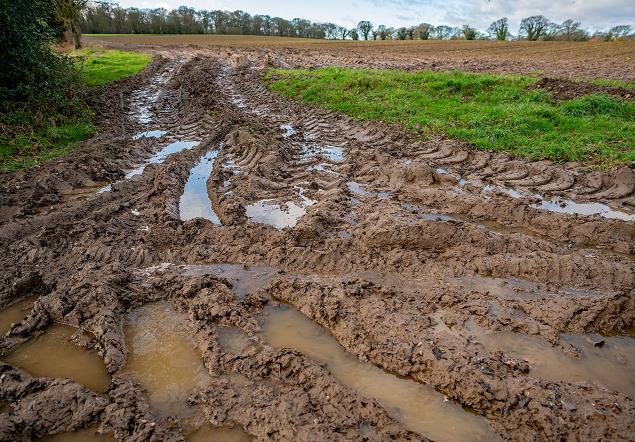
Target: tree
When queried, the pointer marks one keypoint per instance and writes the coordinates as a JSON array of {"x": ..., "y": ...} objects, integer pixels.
[
  {"x": 342, "y": 32},
  {"x": 402, "y": 33},
  {"x": 68, "y": 13},
  {"x": 365, "y": 27},
  {"x": 411, "y": 33},
  {"x": 382, "y": 32},
  {"x": 618, "y": 32},
  {"x": 534, "y": 27},
  {"x": 424, "y": 30},
  {"x": 469, "y": 33},
  {"x": 499, "y": 29},
  {"x": 354, "y": 34},
  {"x": 443, "y": 32}
]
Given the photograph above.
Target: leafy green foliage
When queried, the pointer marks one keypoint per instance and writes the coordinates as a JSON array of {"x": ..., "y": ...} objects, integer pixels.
[{"x": 490, "y": 111}]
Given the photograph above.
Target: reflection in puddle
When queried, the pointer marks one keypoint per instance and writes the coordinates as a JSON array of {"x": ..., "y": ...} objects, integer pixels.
[
  {"x": 330, "y": 152},
  {"x": 268, "y": 212},
  {"x": 53, "y": 355},
  {"x": 417, "y": 406},
  {"x": 160, "y": 156},
  {"x": 218, "y": 434},
  {"x": 358, "y": 189},
  {"x": 563, "y": 205},
  {"x": 611, "y": 364},
  {"x": 232, "y": 340},
  {"x": 195, "y": 202},
  {"x": 287, "y": 130},
  {"x": 15, "y": 313},
  {"x": 244, "y": 280},
  {"x": 163, "y": 357},
  {"x": 149, "y": 134},
  {"x": 157, "y": 158},
  {"x": 85, "y": 435}
]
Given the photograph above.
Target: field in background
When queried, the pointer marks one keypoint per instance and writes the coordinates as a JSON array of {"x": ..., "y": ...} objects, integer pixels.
[{"x": 590, "y": 60}]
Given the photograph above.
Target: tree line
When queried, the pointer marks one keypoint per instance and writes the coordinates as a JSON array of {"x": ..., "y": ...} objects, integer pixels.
[{"x": 107, "y": 18}]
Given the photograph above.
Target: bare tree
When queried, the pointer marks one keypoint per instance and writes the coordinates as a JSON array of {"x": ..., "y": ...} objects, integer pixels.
[
  {"x": 382, "y": 32},
  {"x": 365, "y": 27},
  {"x": 534, "y": 27},
  {"x": 411, "y": 33},
  {"x": 402, "y": 33},
  {"x": 342, "y": 32},
  {"x": 499, "y": 29},
  {"x": 68, "y": 12},
  {"x": 618, "y": 32},
  {"x": 354, "y": 34}
]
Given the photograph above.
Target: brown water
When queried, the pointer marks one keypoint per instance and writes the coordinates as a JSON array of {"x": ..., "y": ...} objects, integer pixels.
[
  {"x": 218, "y": 434},
  {"x": 244, "y": 280},
  {"x": 85, "y": 435},
  {"x": 53, "y": 355},
  {"x": 419, "y": 407},
  {"x": 612, "y": 364},
  {"x": 15, "y": 313},
  {"x": 232, "y": 340},
  {"x": 164, "y": 358}
]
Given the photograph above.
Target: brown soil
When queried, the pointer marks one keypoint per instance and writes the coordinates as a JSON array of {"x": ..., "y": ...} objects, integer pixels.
[
  {"x": 563, "y": 89},
  {"x": 573, "y": 60},
  {"x": 409, "y": 253}
]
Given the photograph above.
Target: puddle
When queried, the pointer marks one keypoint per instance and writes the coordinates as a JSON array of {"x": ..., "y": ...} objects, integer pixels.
[
  {"x": 244, "y": 280},
  {"x": 160, "y": 156},
  {"x": 15, "y": 313},
  {"x": 268, "y": 212},
  {"x": 53, "y": 355},
  {"x": 85, "y": 435},
  {"x": 157, "y": 158},
  {"x": 149, "y": 134},
  {"x": 330, "y": 152},
  {"x": 419, "y": 407},
  {"x": 563, "y": 205},
  {"x": 232, "y": 340},
  {"x": 218, "y": 434},
  {"x": 358, "y": 189},
  {"x": 195, "y": 201},
  {"x": 611, "y": 364},
  {"x": 435, "y": 217},
  {"x": 441, "y": 171},
  {"x": 164, "y": 358},
  {"x": 287, "y": 130}
]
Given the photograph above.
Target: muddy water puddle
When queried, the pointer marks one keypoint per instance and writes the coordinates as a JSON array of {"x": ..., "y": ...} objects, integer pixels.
[
  {"x": 330, "y": 152},
  {"x": 419, "y": 407},
  {"x": 163, "y": 357},
  {"x": 609, "y": 361},
  {"x": 279, "y": 216},
  {"x": 244, "y": 279},
  {"x": 562, "y": 205},
  {"x": 149, "y": 134},
  {"x": 195, "y": 201},
  {"x": 53, "y": 355},
  {"x": 157, "y": 158},
  {"x": 359, "y": 189},
  {"x": 15, "y": 313}
]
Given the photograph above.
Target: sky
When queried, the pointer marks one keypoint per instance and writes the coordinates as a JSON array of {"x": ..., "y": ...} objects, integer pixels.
[{"x": 594, "y": 14}]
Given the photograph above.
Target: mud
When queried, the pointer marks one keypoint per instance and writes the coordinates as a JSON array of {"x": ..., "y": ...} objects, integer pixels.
[{"x": 395, "y": 252}]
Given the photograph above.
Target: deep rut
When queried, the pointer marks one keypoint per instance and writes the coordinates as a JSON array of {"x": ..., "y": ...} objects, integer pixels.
[{"x": 415, "y": 256}]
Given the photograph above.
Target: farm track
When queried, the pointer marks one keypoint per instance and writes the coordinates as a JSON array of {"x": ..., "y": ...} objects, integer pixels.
[{"x": 411, "y": 254}]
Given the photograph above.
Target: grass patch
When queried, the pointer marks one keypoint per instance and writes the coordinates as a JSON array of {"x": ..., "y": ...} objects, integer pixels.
[
  {"x": 491, "y": 112},
  {"x": 99, "y": 66},
  {"x": 29, "y": 137},
  {"x": 615, "y": 83}
]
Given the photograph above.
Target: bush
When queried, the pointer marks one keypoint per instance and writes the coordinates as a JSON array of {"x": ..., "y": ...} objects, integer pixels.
[{"x": 33, "y": 78}]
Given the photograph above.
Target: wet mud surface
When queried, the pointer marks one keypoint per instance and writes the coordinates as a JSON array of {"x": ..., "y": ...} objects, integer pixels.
[{"x": 285, "y": 273}]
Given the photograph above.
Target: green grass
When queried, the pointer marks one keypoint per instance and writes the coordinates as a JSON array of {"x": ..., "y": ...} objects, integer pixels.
[
  {"x": 33, "y": 139},
  {"x": 99, "y": 66},
  {"x": 491, "y": 112}
]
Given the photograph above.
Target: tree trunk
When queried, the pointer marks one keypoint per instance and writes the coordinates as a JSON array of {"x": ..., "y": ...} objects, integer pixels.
[{"x": 76, "y": 36}]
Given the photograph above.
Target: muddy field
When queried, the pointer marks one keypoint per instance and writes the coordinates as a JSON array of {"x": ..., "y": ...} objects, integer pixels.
[
  {"x": 574, "y": 60},
  {"x": 219, "y": 263}
]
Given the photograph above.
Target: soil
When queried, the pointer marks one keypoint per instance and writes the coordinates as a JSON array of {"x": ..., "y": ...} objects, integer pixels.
[{"x": 409, "y": 253}]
